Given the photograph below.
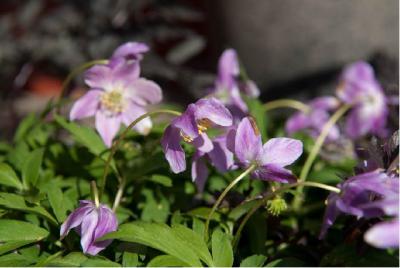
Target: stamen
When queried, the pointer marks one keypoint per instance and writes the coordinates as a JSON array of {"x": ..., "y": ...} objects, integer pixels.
[
  {"x": 112, "y": 101},
  {"x": 203, "y": 124},
  {"x": 185, "y": 137}
]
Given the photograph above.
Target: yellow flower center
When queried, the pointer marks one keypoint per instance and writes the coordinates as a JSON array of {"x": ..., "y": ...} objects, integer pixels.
[{"x": 112, "y": 101}]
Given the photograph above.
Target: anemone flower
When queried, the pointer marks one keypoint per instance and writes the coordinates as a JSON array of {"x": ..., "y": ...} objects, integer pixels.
[
  {"x": 91, "y": 223},
  {"x": 191, "y": 127},
  {"x": 117, "y": 95},
  {"x": 269, "y": 159},
  {"x": 360, "y": 88}
]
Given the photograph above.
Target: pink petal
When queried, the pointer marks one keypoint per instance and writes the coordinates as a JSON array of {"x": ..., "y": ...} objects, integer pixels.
[
  {"x": 74, "y": 219},
  {"x": 88, "y": 228},
  {"x": 107, "y": 126},
  {"x": 213, "y": 110},
  {"x": 143, "y": 92},
  {"x": 99, "y": 76},
  {"x": 131, "y": 113},
  {"x": 203, "y": 143},
  {"x": 281, "y": 151},
  {"x": 384, "y": 234},
  {"x": 86, "y": 106},
  {"x": 173, "y": 150},
  {"x": 248, "y": 143},
  {"x": 199, "y": 171}
]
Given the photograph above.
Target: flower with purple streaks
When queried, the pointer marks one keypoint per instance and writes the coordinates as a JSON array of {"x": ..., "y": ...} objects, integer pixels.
[
  {"x": 269, "y": 159},
  {"x": 191, "y": 127},
  {"x": 360, "y": 88},
  {"x": 91, "y": 223},
  {"x": 314, "y": 120},
  {"x": 117, "y": 95}
]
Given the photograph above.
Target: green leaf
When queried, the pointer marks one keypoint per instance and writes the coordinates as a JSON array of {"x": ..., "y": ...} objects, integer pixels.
[
  {"x": 13, "y": 230},
  {"x": 166, "y": 261},
  {"x": 17, "y": 202},
  {"x": 57, "y": 202},
  {"x": 8, "y": 177},
  {"x": 72, "y": 259},
  {"x": 25, "y": 126},
  {"x": 14, "y": 260},
  {"x": 87, "y": 137},
  {"x": 130, "y": 259},
  {"x": 221, "y": 249},
  {"x": 253, "y": 261},
  {"x": 161, "y": 179},
  {"x": 154, "y": 210},
  {"x": 31, "y": 168},
  {"x": 99, "y": 262},
  {"x": 158, "y": 236},
  {"x": 8, "y": 246}
]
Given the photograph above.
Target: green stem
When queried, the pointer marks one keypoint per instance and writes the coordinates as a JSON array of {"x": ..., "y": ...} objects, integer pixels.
[
  {"x": 95, "y": 194},
  {"x": 315, "y": 150},
  {"x": 276, "y": 192},
  {"x": 72, "y": 74},
  {"x": 119, "y": 194},
  {"x": 121, "y": 137},
  {"x": 286, "y": 103},
  {"x": 222, "y": 196}
]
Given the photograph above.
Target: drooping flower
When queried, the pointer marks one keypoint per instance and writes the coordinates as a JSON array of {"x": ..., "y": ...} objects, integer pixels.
[
  {"x": 227, "y": 87},
  {"x": 356, "y": 195},
  {"x": 360, "y": 88},
  {"x": 219, "y": 157},
  {"x": 191, "y": 127},
  {"x": 91, "y": 223},
  {"x": 314, "y": 120},
  {"x": 269, "y": 159},
  {"x": 117, "y": 95}
]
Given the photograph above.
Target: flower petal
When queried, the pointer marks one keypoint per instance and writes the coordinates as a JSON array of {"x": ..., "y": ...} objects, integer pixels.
[
  {"x": 203, "y": 143},
  {"x": 199, "y": 171},
  {"x": 187, "y": 122},
  {"x": 384, "y": 234},
  {"x": 123, "y": 73},
  {"x": 213, "y": 110},
  {"x": 86, "y": 106},
  {"x": 326, "y": 103},
  {"x": 173, "y": 150},
  {"x": 248, "y": 144},
  {"x": 131, "y": 113},
  {"x": 221, "y": 158},
  {"x": 281, "y": 151},
  {"x": 331, "y": 213},
  {"x": 99, "y": 76},
  {"x": 250, "y": 88},
  {"x": 75, "y": 219},
  {"x": 228, "y": 67},
  {"x": 88, "y": 228},
  {"x": 297, "y": 122},
  {"x": 107, "y": 126},
  {"x": 273, "y": 172},
  {"x": 143, "y": 92},
  {"x": 357, "y": 124},
  {"x": 131, "y": 50}
]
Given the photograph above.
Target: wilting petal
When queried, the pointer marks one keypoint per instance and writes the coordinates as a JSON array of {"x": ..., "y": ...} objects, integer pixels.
[
  {"x": 228, "y": 67},
  {"x": 281, "y": 151},
  {"x": 75, "y": 219},
  {"x": 143, "y": 92},
  {"x": 173, "y": 150},
  {"x": 99, "y": 76},
  {"x": 199, "y": 171},
  {"x": 248, "y": 143},
  {"x": 86, "y": 105},
  {"x": 384, "y": 234},
  {"x": 273, "y": 172},
  {"x": 203, "y": 143},
  {"x": 88, "y": 227},
  {"x": 131, "y": 51},
  {"x": 297, "y": 122},
  {"x": 131, "y": 113},
  {"x": 331, "y": 213},
  {"x": 107, "y": 126},
  {"x": 187, "y": 122},
  {"x": 213, "y": 110},
  {"x": 221, "y": 158}
]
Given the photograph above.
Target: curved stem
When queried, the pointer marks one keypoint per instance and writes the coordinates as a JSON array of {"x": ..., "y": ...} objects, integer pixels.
[
  {"x": 315, "y": 150},
  {"x": 222, "y": 196},
  {"x": 276, "y": 192},
  {"x": 286, "y": 103},
  {"x": 74, "y": 73},
  {"x": 121, "y": 137},
  {"x": 119, "y": 194}
]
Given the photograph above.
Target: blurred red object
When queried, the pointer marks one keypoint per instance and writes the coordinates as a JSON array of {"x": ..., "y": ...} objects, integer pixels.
[{"x": 44, "y": 85}]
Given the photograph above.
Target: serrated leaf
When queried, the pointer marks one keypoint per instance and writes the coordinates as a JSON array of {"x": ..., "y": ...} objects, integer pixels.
[
  {"x": 166, "y": 261},
  {"x": 253, "y": 261},
  {"x": 221, "y": 249},
  {"x": 8, "y": 177},
  {"x": 158, "y": 236},
  {"x": 17, "y": 202},
  {"x": 31, "y": 168}
]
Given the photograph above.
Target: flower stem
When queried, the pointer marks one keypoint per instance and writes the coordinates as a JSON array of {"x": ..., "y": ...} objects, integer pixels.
[
  {"x": 119, "y": 194},
  {"x": 71, "y": 75},
  {"x": 286, "y": 103},
  {"x": 95, "y": 194},
  {"x": 315, "y": 150},
  {"x": 276, "y": 192},
  {"x": 222, "y": 196},
  {"x": 121, "y": 137}
]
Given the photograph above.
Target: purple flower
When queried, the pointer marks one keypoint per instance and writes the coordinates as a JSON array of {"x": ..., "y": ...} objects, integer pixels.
[
  {"x": 270, "y": 158},
  {"x": 91, "y": 223},
  {"x": 314, "y": 120},
  {"x": 131, "y": 51},
  {"x": 359, "y": 87},
  {"x": 190, "y": 127},
  {"x": 384, "y": 234},
  {"x": 220, "y": 157},
  {"x": 227, "y": 88},
  {"x": 117, "y": 95},
  {"x": 355, "y": 197}
]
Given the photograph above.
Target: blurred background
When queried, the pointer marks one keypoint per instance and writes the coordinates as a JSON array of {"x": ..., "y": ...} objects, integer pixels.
[{"x": 291, "y": 48}]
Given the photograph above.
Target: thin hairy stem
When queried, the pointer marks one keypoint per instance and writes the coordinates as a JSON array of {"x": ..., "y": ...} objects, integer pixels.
[
  {"x": 121, "y": 137},
  {"x": 315, "y": 150},
  {"x": 286, "y": 103},
  {"x": 222, "y": 196},
  {"x": 263, "y": 200}
]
